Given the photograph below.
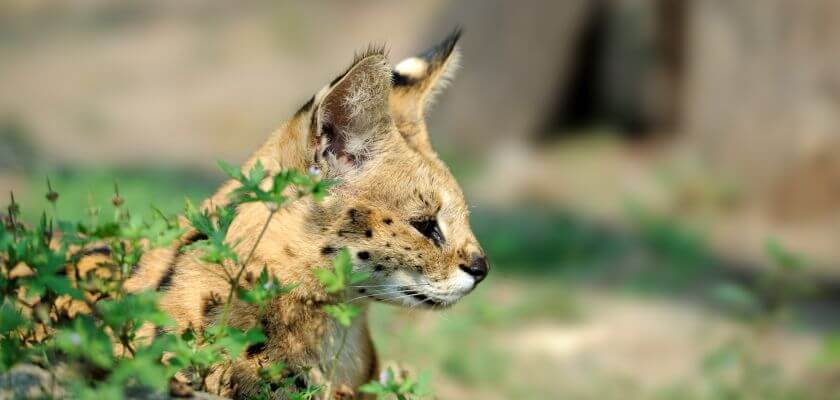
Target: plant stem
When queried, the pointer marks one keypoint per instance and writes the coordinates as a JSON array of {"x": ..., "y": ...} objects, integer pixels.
[
  {"x": 335, "y": 362},
  {"x": 235, "y": 281},
  {"x": 337, "y": 354}
]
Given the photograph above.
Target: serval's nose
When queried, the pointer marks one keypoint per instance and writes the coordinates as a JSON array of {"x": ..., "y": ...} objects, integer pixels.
[{"x": 478, "y": 268}]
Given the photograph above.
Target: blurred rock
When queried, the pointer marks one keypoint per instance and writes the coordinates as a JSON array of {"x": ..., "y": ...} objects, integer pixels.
[
  {"x": 28, "y": 381},
  {"x": 516, "y": 57},
  {"x": 763, "y": 84}
]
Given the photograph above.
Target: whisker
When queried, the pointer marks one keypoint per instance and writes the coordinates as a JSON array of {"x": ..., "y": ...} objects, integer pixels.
[
  {"x": 389, "y": 285},
  {"x": 403, "y": 296},
  {"x": 375, "y": 294}
]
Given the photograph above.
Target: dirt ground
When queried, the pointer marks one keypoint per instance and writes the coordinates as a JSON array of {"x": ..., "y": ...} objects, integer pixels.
[{"x": 611, "y": 346}]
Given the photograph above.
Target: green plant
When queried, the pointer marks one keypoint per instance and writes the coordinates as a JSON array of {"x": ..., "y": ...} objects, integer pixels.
[
  {"x": 54, "y": 312},
  {"x": 401, "y": 389}
]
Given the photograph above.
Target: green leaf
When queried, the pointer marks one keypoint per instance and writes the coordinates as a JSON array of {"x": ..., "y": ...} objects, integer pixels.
[
  {"x": 234, "y": 341},
  {"x": 374, "y": 387},
  {"x": 145, "y": 368},
  {"x": 322, "y": 189},
  {"x": 84, "y": 340},
  {"x": 343, "y": 312},
  {"x": 265, "y": 288},
  {"x": 10, "y": 319},
  {"x": 133, "y": 310},
  {"x": 329, "y": 279},
  {"x": 341, "y": 275},
  {"x": 12, "y": 352},
  {"x": 230, "y": 170}
]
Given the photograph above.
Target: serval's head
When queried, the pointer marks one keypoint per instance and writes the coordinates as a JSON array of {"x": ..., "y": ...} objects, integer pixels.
[{"x": 397, "y": 207}]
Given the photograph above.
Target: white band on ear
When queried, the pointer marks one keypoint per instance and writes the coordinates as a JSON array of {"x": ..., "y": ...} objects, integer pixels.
[{"x": 412, "y": 67}]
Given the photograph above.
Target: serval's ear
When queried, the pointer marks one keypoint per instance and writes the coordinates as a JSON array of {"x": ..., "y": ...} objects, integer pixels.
[
  {"x": 417, "y": 80},
  {"x": 351, "y": 115}
]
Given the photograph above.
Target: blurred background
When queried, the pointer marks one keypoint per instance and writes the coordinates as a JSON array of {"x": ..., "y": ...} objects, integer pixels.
[{"x": 656, "y": 182}]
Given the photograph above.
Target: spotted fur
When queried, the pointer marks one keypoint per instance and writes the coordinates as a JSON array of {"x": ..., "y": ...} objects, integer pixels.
[{"x": 367, "y": 130}]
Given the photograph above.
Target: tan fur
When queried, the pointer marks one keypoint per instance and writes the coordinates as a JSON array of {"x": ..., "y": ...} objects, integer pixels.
[{"x": 374, "y": 140}]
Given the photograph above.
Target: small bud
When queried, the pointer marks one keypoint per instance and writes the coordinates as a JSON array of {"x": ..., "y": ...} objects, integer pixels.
[
  {"x": 52, "y": 195},
  {"x": 117, "y": 200},
  {"x": 14, "y": 208}
]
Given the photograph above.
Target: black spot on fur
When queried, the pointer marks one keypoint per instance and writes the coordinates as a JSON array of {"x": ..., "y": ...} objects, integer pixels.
[
  {"x": 265, "y": 325},
  {"x": 378, "y": 267},
  {"x": 166, "y": 280},
  {"x": 300, "y": 383},
  {"x": 210, "y": 307},
  {"x": 369, "y": 233},
  {"x": 363, "y": 255},
  {"x": 255, "y": 349},
  {"x": 387, "y": 244},
  {"x": 159, "y": 331},
  {"x": 104, "y": 250},
  {"x": 357, "y": 223},
  {"x": 193, "y": 237},
  {"x": 407, "y": 248},
  {"x": 290, "y": 252},
  {"x": 388, "y": 221},
  {"x": 327, "y": 250}
]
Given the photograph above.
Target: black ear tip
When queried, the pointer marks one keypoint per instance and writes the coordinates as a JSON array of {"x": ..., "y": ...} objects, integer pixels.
[
  {"x": 449, "y": 43},
  {"x": 456, "y": 34},
  {"x": 443, "y": 49}
]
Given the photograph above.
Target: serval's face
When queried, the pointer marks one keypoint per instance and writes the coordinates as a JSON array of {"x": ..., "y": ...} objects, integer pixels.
[{"x": 398, "y": 208}]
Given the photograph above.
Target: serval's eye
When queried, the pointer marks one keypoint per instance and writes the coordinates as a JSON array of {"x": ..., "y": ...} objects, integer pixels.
[{"x": 430, "y": 229}]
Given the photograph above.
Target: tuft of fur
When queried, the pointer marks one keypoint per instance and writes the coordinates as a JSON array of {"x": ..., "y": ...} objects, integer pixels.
[{"x": 369, "y": 132}]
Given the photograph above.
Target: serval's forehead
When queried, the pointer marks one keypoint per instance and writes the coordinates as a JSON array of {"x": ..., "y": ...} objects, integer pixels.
[{"x": 412, "y": 175}]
